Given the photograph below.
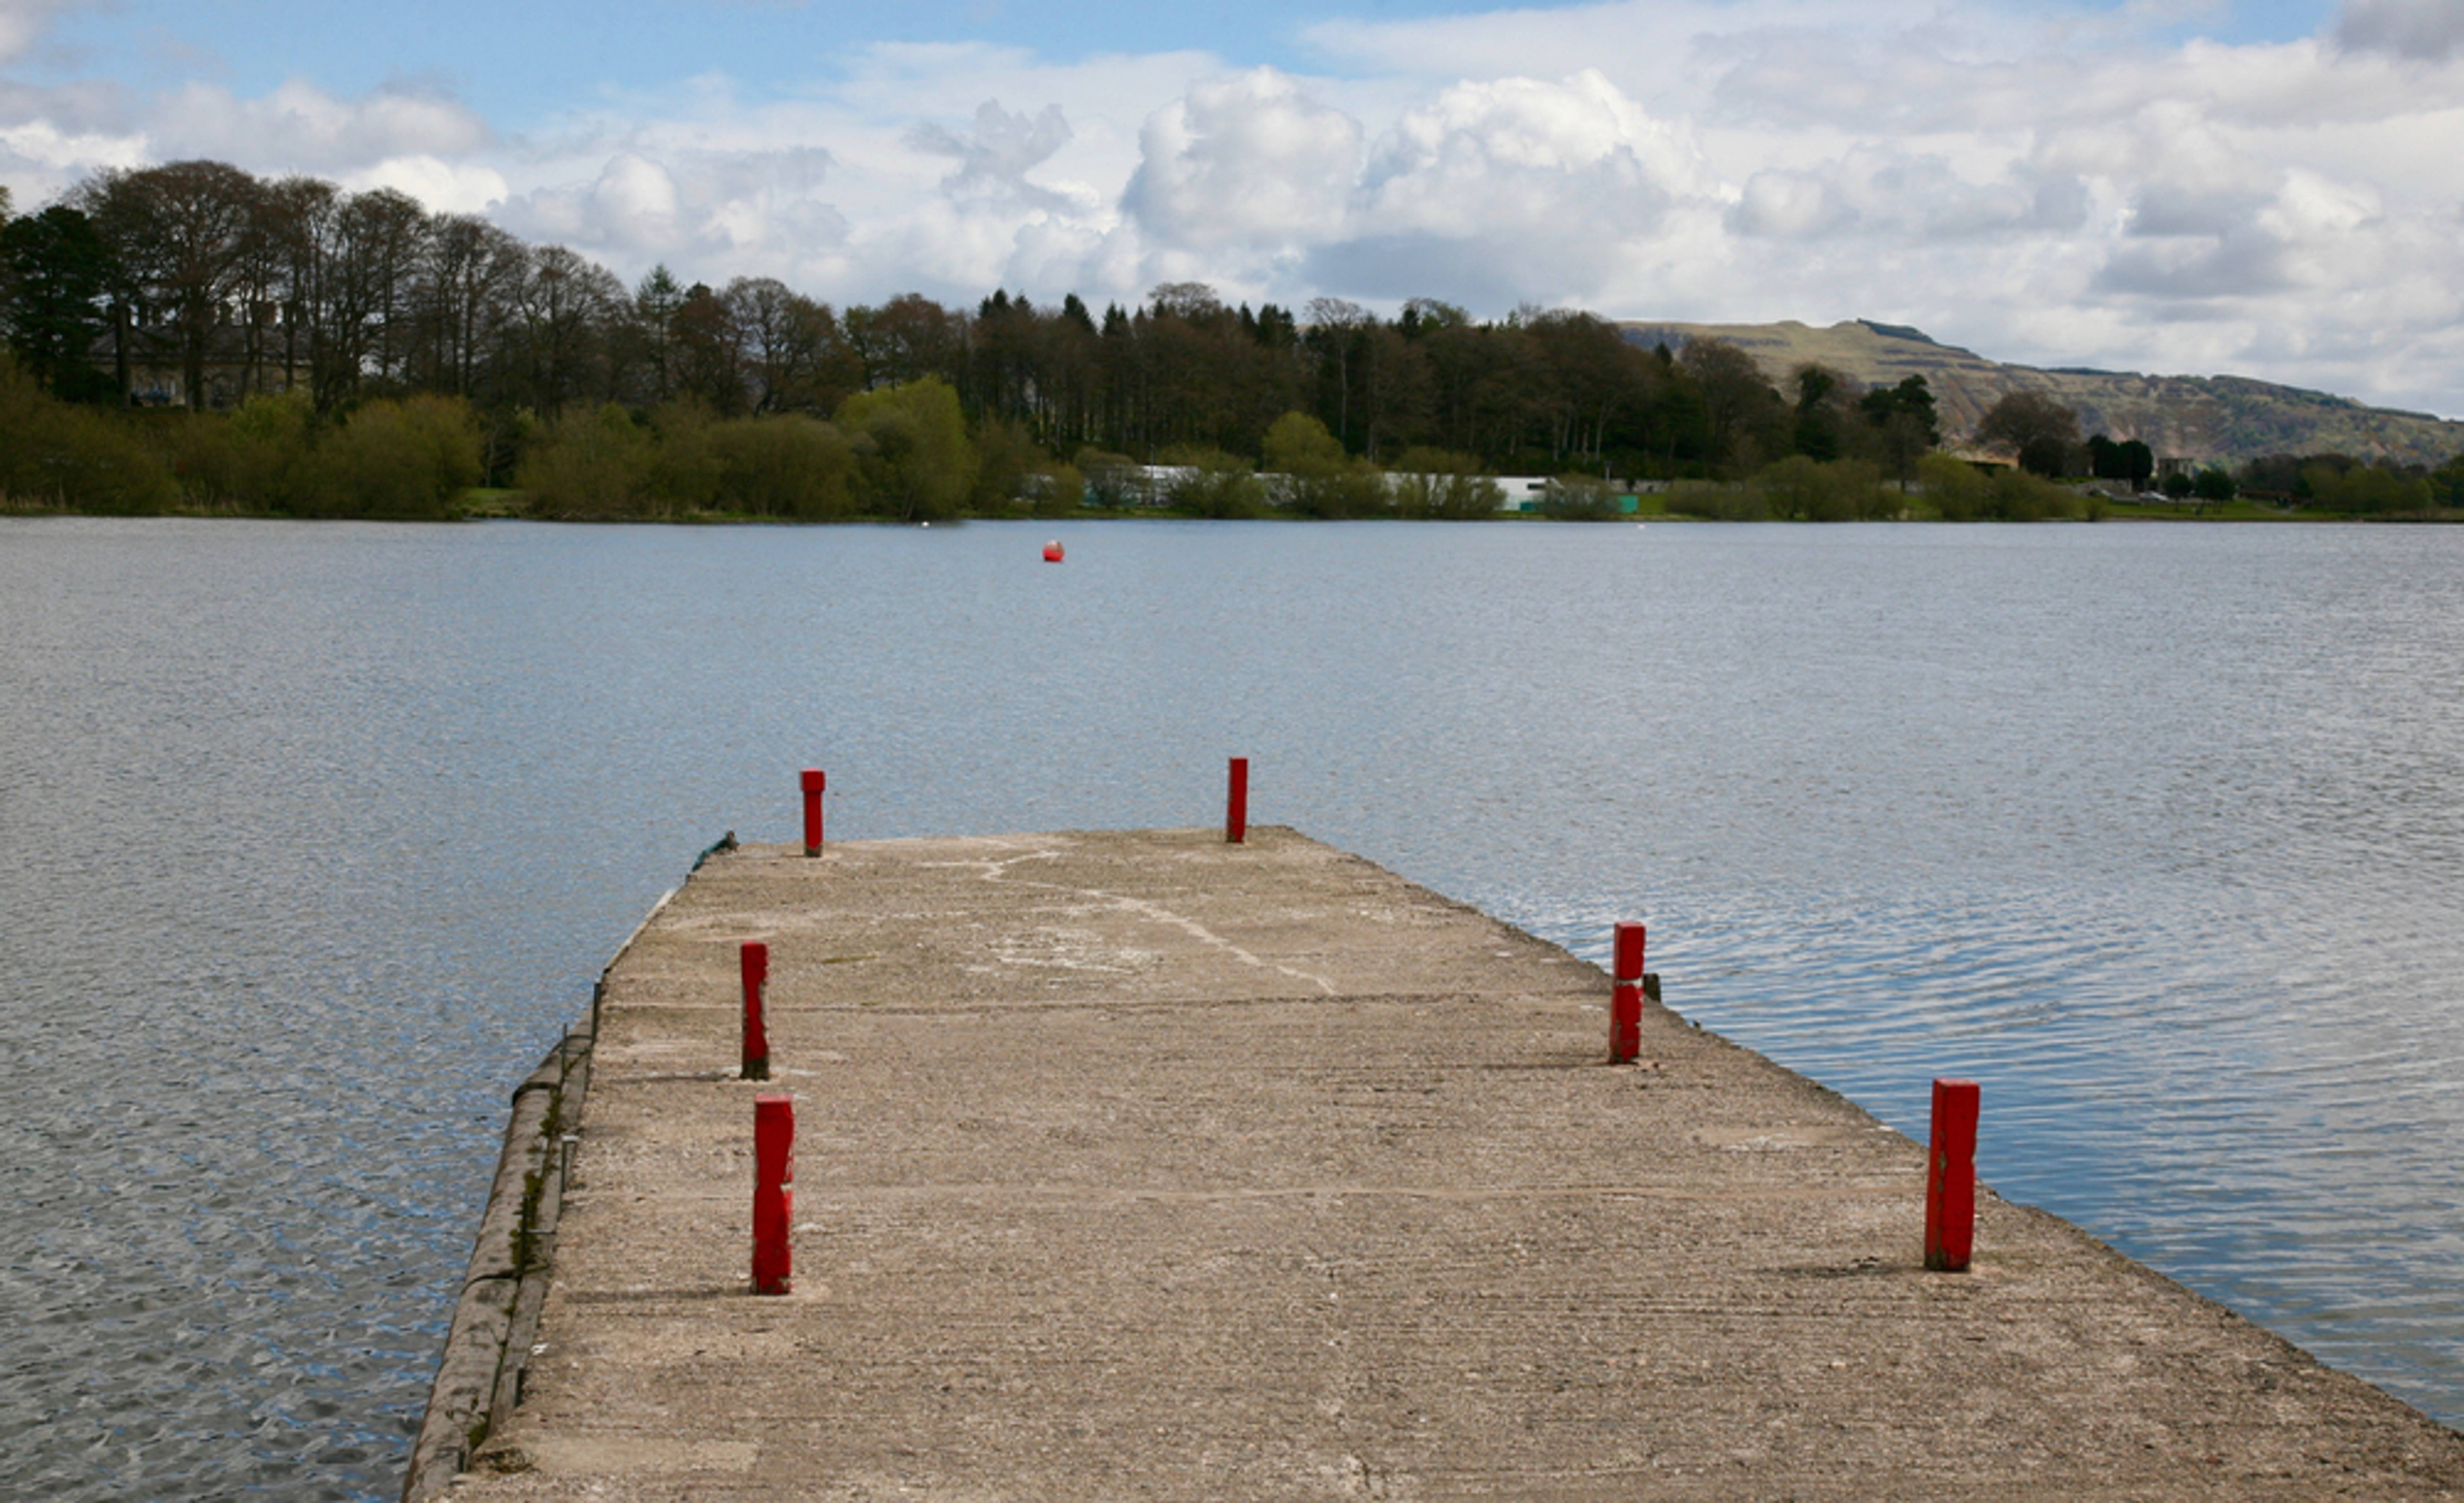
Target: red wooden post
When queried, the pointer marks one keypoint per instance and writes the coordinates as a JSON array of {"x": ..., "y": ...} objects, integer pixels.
[
  {"x": 774, "y": 1196},
  {"x": 813, "y": 781},
  {"x": 1236, "y": 807},
  {"x": 1625, "y": 996},
  {"x": 1950, "y": 1180},
  {"x": 754, "y": 957}
]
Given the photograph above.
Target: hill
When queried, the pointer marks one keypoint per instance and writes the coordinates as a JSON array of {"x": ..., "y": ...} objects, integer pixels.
[{"x": 2227, "y": 419}]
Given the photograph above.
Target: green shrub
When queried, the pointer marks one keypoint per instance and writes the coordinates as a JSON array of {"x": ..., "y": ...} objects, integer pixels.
[
  {"x": 1112, "y": 481},
  {"x": 203, "y": 453},
  {"x": 2365, "y": 489},
  {"x": 1212, "y": 483},
  {"x": 1956, "y": 490},
  {"x": 1054, "y": 488},
  {"x": 1314, "y": 477},
  {"x": 1437, "y": 483},
  {"x": 1960, "y": 492},
  {"x": 686, "y": 472},
  {"x": 1578, "y": 497},
  {"x": 912, "y": 449},
  {"x": 788, "y": 466},
  {"x": 1004, "y": 457},
  {"x": 1717, "y": 502},
  {"x": 407, "y": 459},
  {"x": 1801, "y": 489},
  {"x": 265, "y": 457},
  {"x": 2016, "y": 496},
  {"x": 72, "y": 458},
  {"x": 592, "y": 463}
]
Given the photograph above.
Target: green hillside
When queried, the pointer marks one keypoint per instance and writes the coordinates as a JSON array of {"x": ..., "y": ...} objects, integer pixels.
[{"x": 2227, "y": 419}]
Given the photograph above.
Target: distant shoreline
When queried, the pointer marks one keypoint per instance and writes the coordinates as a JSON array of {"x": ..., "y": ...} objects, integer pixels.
[{"x": 2235, "y": 512}]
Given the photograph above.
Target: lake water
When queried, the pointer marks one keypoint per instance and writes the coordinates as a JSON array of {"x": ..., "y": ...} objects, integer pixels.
[{"x": 313, "y": 838}]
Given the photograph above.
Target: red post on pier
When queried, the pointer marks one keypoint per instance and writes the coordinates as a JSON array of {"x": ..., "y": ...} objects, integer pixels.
[
  {"x": 813, "y": 783},
  {"x": 1625, "y": 995},
  {"x": 1951, "y": 1178},
  {"x": 754, "y": 957},
  {"x": 774, "y": 1196},
  {"x": 1236, "y": 805}
]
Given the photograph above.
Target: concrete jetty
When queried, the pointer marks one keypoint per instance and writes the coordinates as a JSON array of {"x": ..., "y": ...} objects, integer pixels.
[{"x": 1144, "y": 1165}]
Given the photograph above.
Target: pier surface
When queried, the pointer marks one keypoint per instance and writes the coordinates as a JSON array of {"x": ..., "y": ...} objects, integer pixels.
[{"x": 1145, "y": 1166}]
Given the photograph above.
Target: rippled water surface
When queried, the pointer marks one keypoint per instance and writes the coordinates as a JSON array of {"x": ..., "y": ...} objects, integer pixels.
[{"x": 312, "y": 839}]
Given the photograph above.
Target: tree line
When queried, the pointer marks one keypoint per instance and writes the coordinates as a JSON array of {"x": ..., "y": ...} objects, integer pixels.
[
  {"x": 2044, "y": 435},
  {"x": 197, "y": 285},
  {"x": 282, "y": 344},
  {"x": 242, "y": 286}
]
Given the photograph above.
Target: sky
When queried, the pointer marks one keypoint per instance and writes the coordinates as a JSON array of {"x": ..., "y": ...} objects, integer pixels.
[{"x": 2264, "y": 187}]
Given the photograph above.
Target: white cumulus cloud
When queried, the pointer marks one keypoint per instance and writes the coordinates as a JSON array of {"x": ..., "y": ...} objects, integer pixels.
[
  {"x": 445, "y": 187},
  {"x": 1511, "y": 189},
  {"x": 300, "y": 127},
  {"x": 708, "y": 211},
  {"x": 1245, "y": 162},
  {"x": 1879, "y": 190},
  {"x": 1525, "y": 151},
  {"x": 995, "y": 158}
]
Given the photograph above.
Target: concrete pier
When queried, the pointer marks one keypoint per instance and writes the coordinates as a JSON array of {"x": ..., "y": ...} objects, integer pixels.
[{"x": 1150, "y": 1166}]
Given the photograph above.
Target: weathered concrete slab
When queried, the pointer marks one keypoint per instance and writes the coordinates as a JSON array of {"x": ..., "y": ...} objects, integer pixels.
[{"x": 1141, "y": 1166}]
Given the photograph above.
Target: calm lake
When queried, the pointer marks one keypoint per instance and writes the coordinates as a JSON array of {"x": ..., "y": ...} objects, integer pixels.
[{"x": 314, "y": 837}]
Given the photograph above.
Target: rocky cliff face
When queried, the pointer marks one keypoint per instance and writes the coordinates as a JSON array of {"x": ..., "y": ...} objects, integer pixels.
[{"x": 2225, "y": 419}]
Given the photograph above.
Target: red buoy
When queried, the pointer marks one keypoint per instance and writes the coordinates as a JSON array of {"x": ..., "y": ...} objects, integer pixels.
[{"x": 1052, "y": 552}]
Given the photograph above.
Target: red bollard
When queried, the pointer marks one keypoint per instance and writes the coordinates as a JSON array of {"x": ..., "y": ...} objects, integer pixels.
[
  {"x": 774, "y": 1198},
  {"x": 813, "y": 781},
  {"x": 754, "y": 957},
  {"x": 1628, "y": 966},
  {"x": 1625, "y": 995},
  {"x": 1236, "y": 807},
  {"x": 1951, "y": 1178}
]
